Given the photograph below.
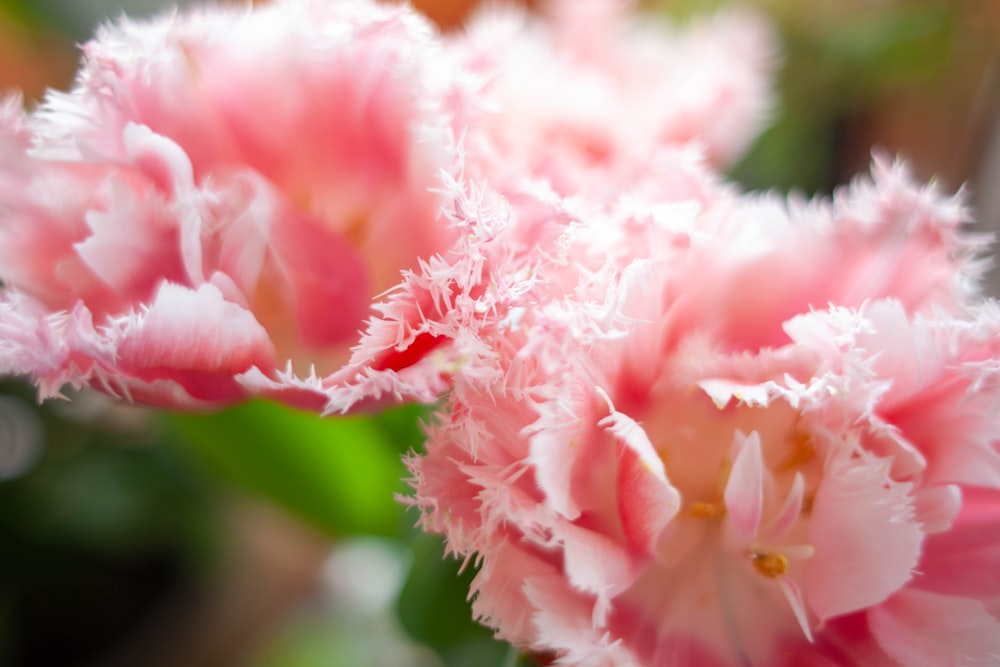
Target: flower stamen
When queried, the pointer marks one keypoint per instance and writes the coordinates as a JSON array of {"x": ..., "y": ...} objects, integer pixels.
[
  {"x": 770, "y": 565},
  {"x": 706, "y": 510},
  {"x": 801, "y": 453}
]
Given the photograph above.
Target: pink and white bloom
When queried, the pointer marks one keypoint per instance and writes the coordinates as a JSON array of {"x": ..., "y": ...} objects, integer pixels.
[
  {"x": 586, "y": 93},
  {"x": 577, "y": 107},
  {"x": 214, "y": 205},
  {"x": 725, "y": 430}
]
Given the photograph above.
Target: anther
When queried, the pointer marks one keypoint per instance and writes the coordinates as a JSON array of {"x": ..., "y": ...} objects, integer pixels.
[
  {"x": 702, "y": 510},
  {"x": 802, "y": 452},
  {"x": 769, "y": 565}
]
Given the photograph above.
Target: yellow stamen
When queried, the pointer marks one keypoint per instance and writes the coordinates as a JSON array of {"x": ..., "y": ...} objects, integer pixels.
[
  {"x": 702, "y": 510},
  {"x": 769, "y": 565},
  {"x": 802, "y": 452}
]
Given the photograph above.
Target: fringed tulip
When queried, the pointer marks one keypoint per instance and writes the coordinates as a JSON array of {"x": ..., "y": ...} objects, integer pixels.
[
  {"x": 585, "y": 95},
  {"x": 720, "y": 430},
  {"x": 214, "y": 205}
]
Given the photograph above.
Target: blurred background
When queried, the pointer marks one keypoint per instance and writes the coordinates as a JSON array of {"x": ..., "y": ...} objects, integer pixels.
[{"x": 267, "y": 538}]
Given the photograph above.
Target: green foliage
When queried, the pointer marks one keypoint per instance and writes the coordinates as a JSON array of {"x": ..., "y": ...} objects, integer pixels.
[
  {"x": 433, "y": 609},
  {"x": 40, "y": 16},
  {"x": 22, "y": 12},
  {"x": 318, "y": 643},
  {"x": 339, "y": 474},
  {"x": 881, "y": 48}
]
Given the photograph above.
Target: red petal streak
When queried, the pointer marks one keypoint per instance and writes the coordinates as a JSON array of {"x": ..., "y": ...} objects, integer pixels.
[{"x": 397, "y": 360}]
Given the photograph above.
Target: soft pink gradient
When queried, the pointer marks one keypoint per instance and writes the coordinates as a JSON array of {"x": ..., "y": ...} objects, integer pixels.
[
  {"x": 707, "y": 428},
  {"x": 213, "y": 207},
  {"x": 587, "y": 93}
]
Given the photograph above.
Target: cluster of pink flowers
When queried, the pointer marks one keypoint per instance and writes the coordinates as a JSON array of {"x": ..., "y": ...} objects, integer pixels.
[{"x": 679, "y": 425}]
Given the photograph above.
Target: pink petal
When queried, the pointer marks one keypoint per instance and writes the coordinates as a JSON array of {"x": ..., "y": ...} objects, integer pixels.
[
  {"x": 789, "y": 512},
  {"x": 53, "y": 348},
  {"x": 160, "y": 159},
  {"x": 744, "y": 495},
  {"x": 555, "y": 450},
  {"x": 793, "y": 594},
  {"x": 964, "y": 559},
  {"x": 931, "y": 402},
  {"x": 328, "y": 279},
  {"x": 132, "y": 245},
  {"x": 447, "y": 496},
  {"x": 842, "y": 642},
  {"x": 595, "y": 563},
  {"x": 921, "y": 629},
  {"x": 682, "y": 649},
  {"x": 866, "y": 539},
  {"x": 195, "y": 332},
  {"x": 503, "y": 590},
  {"x": 304, "y": 393},
  {"x": 564, "y": 619},
  {"x": 173, "y": 160},
  {"x": 937, "y": 507},
  {"x": 647, "y": 501}
]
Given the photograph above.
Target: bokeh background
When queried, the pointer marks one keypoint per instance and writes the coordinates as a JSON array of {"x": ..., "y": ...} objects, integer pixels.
[{"x": 263, "y": 537}]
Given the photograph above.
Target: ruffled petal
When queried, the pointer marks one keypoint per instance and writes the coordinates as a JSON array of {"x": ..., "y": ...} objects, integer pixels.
[
  {"x": 195, "y": 337},
  {"x": 921, "y": 629},
  {"x": 963, "y": 560},
  {"x": 866, "y": 540}
]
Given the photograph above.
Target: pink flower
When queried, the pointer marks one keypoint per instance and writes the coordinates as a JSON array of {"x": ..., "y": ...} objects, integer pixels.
[
  {"x": 579, "y": 108},
  {"x": 220, "y": 197},
  {"x": 585, "y": 96},
  {"x": 722, "y": 430}
]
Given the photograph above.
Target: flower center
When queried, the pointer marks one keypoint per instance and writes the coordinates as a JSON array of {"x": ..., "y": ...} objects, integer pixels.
[
  {"x": 697, "y": 444},
  {"x": 746, "y": 476}
]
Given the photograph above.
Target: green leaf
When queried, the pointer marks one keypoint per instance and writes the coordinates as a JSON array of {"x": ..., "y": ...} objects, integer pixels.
[
  {"x": 891, "y": 44},
  {"x": 434, "y": 610},
  {"x": 21, "y": 12},
  {"x": 795, "y": 154},
  {"x": 339, "y": 474}
]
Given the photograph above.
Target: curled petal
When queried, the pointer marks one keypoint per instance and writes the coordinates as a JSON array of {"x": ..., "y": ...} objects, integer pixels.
[
  {"x": 195, "y": 337},
  {"x": 744, "y": 495},
  {"x": 789, "y": 511},
  {"x": 646, "y": 500}
]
